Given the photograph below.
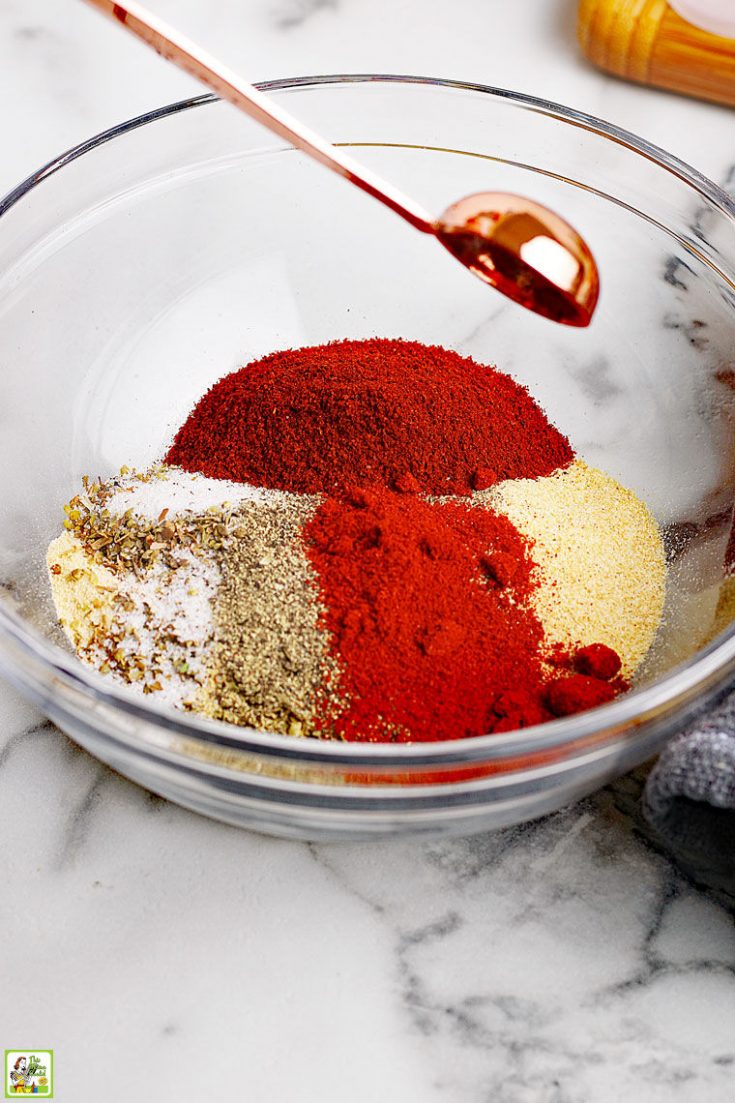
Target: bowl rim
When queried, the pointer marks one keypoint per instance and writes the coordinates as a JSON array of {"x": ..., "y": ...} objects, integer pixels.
[
  {"x": 637, "y": 144},
  {"x": 618, "y": 717}
]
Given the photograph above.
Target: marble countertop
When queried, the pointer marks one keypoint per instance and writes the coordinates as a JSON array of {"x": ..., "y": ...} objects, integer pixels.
[{"x": 165, "y": 956}]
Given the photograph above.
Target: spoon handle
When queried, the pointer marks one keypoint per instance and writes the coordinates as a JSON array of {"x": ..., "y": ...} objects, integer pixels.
[{"x": 229, "y": 86}]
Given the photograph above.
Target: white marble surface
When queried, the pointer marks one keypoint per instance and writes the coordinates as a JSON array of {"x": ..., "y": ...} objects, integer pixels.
[{"x": 166, "y": 957}]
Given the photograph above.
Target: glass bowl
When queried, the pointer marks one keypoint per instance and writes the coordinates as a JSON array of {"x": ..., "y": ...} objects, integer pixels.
[{"x": 140, "y": 267}]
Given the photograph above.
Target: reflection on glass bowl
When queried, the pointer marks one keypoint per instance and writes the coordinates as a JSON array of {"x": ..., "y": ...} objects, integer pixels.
[{"x": 132, "y": 278}]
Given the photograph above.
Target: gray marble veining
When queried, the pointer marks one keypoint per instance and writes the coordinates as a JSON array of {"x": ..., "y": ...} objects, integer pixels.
[{"x": 166, "y": 956}]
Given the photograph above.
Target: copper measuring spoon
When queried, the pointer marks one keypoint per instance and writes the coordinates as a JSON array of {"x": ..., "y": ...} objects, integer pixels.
[{"x": 517, "y": 246}]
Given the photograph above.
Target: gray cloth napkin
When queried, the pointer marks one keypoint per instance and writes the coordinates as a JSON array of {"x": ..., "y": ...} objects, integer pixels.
[{"x": 689, "y": 798}]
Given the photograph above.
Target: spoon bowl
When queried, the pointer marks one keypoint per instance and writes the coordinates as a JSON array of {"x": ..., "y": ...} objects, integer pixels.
[
  {"x": 526, "y": 251},
  {"x": 517, "y": 246}
]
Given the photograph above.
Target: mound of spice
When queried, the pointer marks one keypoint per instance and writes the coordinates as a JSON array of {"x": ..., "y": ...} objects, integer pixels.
[
  {"x": 394, "y": 414},
  {"x": 393, "y": 542}
]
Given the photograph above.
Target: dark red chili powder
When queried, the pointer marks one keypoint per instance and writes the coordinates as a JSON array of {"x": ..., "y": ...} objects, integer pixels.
[
  {"x": 579, "y": 692},
  {"x": 598, "y": 660},
  {"x": 375, "y": 412}
]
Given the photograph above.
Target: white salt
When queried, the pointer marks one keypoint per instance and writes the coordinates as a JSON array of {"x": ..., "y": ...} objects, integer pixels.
[{"x": 180, "y": 492}]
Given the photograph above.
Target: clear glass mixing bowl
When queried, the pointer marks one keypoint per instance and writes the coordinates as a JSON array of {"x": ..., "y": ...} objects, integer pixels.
[{"x": 138, "y": 268}]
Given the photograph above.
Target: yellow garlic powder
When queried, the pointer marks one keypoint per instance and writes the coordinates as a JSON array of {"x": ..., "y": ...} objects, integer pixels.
[
  {"x": 599, "y": 555},
  {"x": 83, "y": 591}
]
